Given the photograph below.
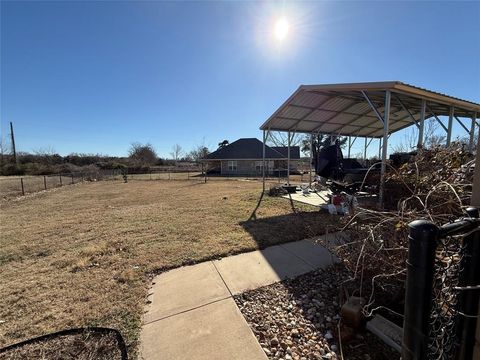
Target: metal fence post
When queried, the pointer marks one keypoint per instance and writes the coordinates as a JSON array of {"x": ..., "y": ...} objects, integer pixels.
[
  {"x": 72, "y": 179},
  {"x": 45, "y": 182},
  {"x": 422, "y": 238},
  {"x": 23, "y": 189},
  {"x": 469, "y": 294},
  {"x": 60, "y": 180}
]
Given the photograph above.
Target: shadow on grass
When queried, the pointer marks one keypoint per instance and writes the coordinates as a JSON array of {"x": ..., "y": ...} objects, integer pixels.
[{"x": 297, "y": 225}]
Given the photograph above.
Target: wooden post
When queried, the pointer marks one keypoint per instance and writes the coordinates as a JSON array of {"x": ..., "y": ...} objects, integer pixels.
[
  {"x": 45, "y": 182},
  {"x": 23, "y": 189},
  {"x": 14, "y": 150},
  {"x": 60, "y": 179},
  {"x": 72, "y": 180}
]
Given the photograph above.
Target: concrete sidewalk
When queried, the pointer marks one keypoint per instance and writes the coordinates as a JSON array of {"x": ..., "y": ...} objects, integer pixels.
[{"x": 192, "y": 314}]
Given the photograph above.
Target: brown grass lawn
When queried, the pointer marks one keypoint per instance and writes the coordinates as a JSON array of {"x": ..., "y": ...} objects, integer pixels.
[{"x": 84, "y": 254}]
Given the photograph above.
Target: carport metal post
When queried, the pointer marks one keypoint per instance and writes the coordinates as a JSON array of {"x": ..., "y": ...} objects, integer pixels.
[
  {"x": 263, "y": 159},
  {"x": 422, "y": 124},
  {"x": 365, "y": 149},
  {"x": 288, "y": 160},
  {"x": 349, "y": 145},
  {"x": 450, "y": 125},
  {"x": 379, "y": 148},
  {"x": 386, "y": 118},
  {"x": 472, "y": 133},
  {"x": 311, "y": 160}
]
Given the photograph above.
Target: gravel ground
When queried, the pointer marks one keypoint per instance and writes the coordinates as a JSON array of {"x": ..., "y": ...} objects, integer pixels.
[{"x": 297, "y": 319}]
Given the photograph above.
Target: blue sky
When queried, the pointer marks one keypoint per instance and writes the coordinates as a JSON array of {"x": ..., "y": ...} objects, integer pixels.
[{"x": 93, "y": 77}]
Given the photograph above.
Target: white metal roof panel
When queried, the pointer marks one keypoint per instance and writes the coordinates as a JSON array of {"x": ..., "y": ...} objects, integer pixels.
[{"x": 342, "y": 108}]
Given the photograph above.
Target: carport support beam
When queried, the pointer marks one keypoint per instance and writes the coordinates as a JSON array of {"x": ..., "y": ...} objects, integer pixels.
[
  {"x": 386, "y": 119},
  {"x": 349, "y": 146},
  {"x": 288, "y": 160},
  {"x": 365, "y": 150},
  {"x": 422, "y": 124},
  {"x": 450, "y": 125},
  {"x": 263, "y": 159},
  {"x": 311, "y": 160},
  {"x": 472, "y": 133}
]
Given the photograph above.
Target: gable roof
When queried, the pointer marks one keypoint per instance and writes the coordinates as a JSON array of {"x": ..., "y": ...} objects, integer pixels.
[{"x": 252, "y": 148}]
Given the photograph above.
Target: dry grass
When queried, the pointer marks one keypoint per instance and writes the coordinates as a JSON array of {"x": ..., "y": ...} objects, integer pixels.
[
  {"x": 82, "y": 255},
  {"x": 83, "y": 346}
]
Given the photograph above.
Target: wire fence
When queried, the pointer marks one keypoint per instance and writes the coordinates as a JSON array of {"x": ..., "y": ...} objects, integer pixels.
[
  {"x": 442, "y": 289},
  {"x": 14, "y": 186},
  {"x": 444, "y": 312}
]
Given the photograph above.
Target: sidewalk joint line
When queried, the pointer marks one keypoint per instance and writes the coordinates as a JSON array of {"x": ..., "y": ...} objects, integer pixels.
[
  {"x": 184, "y": 311},
  {"x": 221, "y": 277},
  {"x": 298, "y": 256}
]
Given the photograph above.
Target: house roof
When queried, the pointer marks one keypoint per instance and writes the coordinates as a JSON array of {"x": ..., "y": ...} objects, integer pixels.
[
  {"x": 344, "y": 109},
  {"x": 294, "y": 151},
  {"x": 250, "y": 149}
]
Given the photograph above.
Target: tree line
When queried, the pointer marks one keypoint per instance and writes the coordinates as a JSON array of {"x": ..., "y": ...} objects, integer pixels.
[{"x": 141, "y": 157}]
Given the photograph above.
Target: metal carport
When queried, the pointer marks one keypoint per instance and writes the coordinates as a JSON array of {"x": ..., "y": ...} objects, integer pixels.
[{"x": 369, "y": 110}]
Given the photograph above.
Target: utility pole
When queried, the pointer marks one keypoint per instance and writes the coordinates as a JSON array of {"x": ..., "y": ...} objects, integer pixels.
[{"x": 13, "y": 143}]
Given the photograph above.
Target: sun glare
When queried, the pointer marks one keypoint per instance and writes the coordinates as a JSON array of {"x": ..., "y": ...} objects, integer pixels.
[{"x": 281, "y": 29}]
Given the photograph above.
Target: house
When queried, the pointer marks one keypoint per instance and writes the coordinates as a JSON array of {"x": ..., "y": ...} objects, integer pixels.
[{"x": 244, "y": 157}]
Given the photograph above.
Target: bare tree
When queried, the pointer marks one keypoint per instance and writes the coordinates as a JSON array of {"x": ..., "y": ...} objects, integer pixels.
[
  {"x": 281, "y": 139},
  {"x": 176, "y": 152},
  {"x": 223, "y": 144},
  {"x": 431, "y": 136},
  {"x": 409, "y": 141},
  {"x": 199, "y": 153},
  {"x": 320, "y": 141},
  {"x": 142, "y": 154}
]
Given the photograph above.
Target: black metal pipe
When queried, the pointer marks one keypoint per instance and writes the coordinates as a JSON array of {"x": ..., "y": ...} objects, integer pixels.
[
  {"x": 423, "y": 236},
  {"x": 469, "y": 294}
]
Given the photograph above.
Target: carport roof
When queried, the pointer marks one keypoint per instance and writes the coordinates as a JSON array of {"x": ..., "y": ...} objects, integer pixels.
[{"x": 343, "y": 109}]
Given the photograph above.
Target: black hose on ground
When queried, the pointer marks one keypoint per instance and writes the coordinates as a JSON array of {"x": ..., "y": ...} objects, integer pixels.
[{"x": 102, "y": 330}]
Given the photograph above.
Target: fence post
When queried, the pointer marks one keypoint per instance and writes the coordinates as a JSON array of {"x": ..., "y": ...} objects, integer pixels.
[
  {"x": 468, "y": 299},
  {"x": 422, "y": 238},
  {"x": 72, "y": 179},
  {"x": 23, "y": 189},
  {"x": 60, "y": 180},
  {"x": 45, "y": 182}
]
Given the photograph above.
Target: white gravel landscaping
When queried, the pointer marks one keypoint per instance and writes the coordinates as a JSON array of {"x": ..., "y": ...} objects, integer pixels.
[{"x": 297, "y": 319}]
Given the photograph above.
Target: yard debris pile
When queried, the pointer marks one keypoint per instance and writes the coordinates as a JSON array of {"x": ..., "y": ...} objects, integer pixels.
[
  {"x": 437, "y": 177},
  {"x": 297, "y": 319},
  {"x": 436, "y": 185},
  {"x": 277, "y": 191}
]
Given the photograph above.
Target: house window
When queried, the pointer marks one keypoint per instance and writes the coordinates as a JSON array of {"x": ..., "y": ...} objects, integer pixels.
[
  {"x": 232, "y": 166},
  {"x": 258, "y": 166}
]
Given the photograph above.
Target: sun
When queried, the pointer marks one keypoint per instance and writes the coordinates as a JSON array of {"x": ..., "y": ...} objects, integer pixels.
[{"x": 281, "y": 29}]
